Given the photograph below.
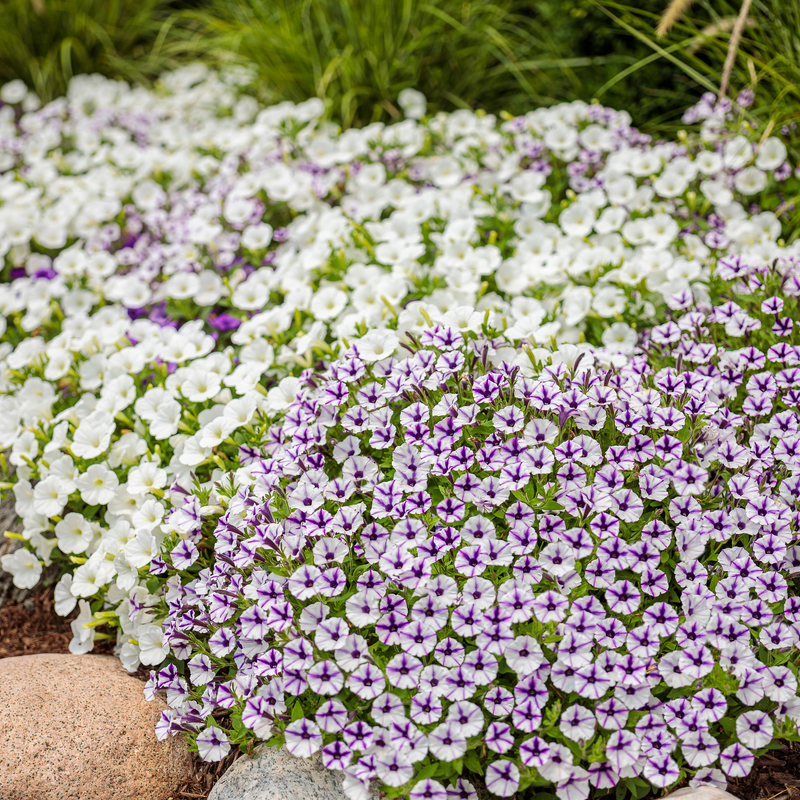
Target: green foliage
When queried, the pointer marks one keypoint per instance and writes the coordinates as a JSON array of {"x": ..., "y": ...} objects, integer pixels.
[
  {"x": 611, "y": 63},
  {"x": 510, "y": 55},
  {"x": 357, "y": 55},
  {"x": 767, "y": 59},
  {"x": 46, "y": 42}
]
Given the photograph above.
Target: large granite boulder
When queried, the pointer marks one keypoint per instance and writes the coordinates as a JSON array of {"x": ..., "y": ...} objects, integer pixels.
[{"x": 79, "y": 728}]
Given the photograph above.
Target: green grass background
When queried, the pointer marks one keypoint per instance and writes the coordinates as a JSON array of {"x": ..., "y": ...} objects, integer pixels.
[{"x": 499, "y": 55}]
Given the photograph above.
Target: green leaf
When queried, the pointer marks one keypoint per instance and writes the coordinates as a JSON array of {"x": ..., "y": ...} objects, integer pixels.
[
  {"x": 427, "y": 771},
  {"x": 472, "y": 762},
  {"x": 297, "y": 711},
  {"x": 551, "y": 505},
  {"x": 637, "y": 787},
  {"x": 728, "y": 725},
  {"x": 719, "y": 679}
]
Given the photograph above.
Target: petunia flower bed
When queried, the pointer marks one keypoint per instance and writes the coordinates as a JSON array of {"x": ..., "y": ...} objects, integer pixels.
[
  {"x": 455, "y": 451},
  {"x": 433, "y": 566}
]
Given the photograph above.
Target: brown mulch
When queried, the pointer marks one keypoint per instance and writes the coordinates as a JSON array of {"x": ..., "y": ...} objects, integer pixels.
[
  {"x": 204, "y": 776},
  {"x": 32, "y": 627}
]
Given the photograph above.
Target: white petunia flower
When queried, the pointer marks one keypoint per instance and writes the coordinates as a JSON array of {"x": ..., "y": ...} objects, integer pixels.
[
  {"x": 97, "y": 485},
  {"x": 24, "y": 566}
]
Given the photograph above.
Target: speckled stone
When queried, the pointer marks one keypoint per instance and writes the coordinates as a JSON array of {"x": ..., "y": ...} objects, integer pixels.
[
  {"x": 79, "y": 728},
  {"x": 701, "y": 793},
  {"x": 275, "y": 774}
]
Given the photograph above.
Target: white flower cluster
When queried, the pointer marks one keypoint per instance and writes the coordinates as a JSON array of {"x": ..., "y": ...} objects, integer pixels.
[{"x": 196, "y": 203}]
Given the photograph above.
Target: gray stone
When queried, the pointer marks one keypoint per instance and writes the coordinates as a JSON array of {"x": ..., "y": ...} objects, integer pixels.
[
  {"x": 275, "y": 774},
  {"x": 701, "y": 793}
]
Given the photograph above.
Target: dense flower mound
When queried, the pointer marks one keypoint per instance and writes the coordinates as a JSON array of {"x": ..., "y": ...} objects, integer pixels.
[
  {"x": 284, "y": 242},
  {"x": 422, "y": 444},
  {"x": 109, "y": 426},
  {"x": 434, "y": 565}
]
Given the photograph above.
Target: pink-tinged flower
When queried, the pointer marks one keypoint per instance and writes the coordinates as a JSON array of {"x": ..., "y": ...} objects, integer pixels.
[
  {"x": 502, "y": 778},
  {"x": 577, "y": 723},
  {"x": 534, "y": 752},
  {"x": 708, "y": 776},
  {"x": 461, "y": 790},
  {"x": 559, "y": 764},
  {"x": 591, "y": 682},
  {"x": 294, "y": 681},
  {"x": 367, "y": 682},
  {"x": 426, "y": 708},
  {"x": 711, "y": 704},
  {"x": 258, "y": 716},
  {"x": 622, "y": 749},
  {"x": 303, "y": 738},
  {"x": 302, "y": 582},
  {"x": 498, "y": 737},
  {"x": 523, "y": 655},
  {"x": 358, "y": 736},
  {"x": 623, "y": 598},
  {"x": 471, "y": 561},
  {"x": 451, "y": 510},
  {"x": 325, "y": 678},
  {"x": 611, "y": 714},
  {"x": 695, "y": 662},
  {"x": 575, "y": 786},
  {"x": 184, "y": 554},
  {"x": 387, "y": 708},
  {"x": 754, "y": 729},
  {"x": 498, "y": 701},
  {"x": 466, "y": 620},
  {"x": 418, "y": 638},
  {"x": 550, "y": 606},
  {"x": 700, "y": 749},
  {"x": 388, "y": 628},
  {"x": 467, "y": 716},
  {"x": 602, "y": 775},
  {"x": 526, "y": 717},
  {"x": 661, "y": 770},
  {"x": 331, "y": 634},
  {"x": 336, "y": 755},
  {"x": 403, "y": 671},
  {"x": 331, "y": 716}
]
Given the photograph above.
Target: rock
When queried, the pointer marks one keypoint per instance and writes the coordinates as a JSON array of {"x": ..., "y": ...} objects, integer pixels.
[
  {"x": 701, "y": 793},
  {"x": 79, "y": 728},
  {"x": 275, "y": 774}
]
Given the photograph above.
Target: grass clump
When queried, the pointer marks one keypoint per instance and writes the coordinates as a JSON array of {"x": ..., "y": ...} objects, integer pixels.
[{"x": 46, "y": 42}]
